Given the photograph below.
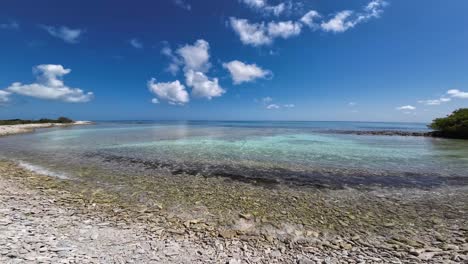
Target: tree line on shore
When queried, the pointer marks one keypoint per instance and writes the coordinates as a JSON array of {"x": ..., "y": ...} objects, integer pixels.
[
  {"x": 454, "y": 125},
  {"x": 60, "y": 120}
]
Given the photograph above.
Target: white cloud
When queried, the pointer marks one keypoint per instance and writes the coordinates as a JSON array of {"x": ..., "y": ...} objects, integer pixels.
[
  {"x": 267, "y": 103},
  {"x": 272, "y": 106},
  {"x": 257, "y": 34},
  {"x": 136, "y": 43},
  {"x": 458, "y": 94},
  {"x": 263, "y": 6},
  {"x": 254, "y": 34},
  {"x": 266, "y": 100},
  {"x": 155, "y": 101},
  {"x": 347, "y": 19},
  {"x": 173, "y": 92},
  {"x": 196, "y": 57},
  {"x": 195, "y": 62},
  {"x": 174, "y": 65},
  {"x": 49, "y": 85},
  {"x": 406, "y": 107},
  {"x": 241, "y": 72},
  {"x": 339, "y": 23},
  {"x": 352, "y": 104},
  {"x": 66, "y": 34},
  {"x": 284, "y": 29},
  {"x": 10, "y": 25},
  {"x": 277, "y": 9},
  {"x": 262, "y": 33},
  {"x": 202, "y": 86},
  {"x": 254, "y": 3},
  {"x": 166, "y": 50},
  {"x": 435, "y": 101},
  {"x": 454, "y": 93},
  {"x": 309, "y": 19},
  {"x": 182, "y": 4},
  {"x": 374, "y": 9},
  {"x": 4, "y": 97}
]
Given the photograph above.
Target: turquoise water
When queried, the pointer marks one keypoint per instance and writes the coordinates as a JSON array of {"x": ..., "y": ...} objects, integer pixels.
[{"x": 304, "y": 153}]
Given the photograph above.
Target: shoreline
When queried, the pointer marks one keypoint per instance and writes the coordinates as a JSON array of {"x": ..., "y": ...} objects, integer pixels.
[
  {"x": 95, "y": 221},
  {"x": 8, "y": 130}
]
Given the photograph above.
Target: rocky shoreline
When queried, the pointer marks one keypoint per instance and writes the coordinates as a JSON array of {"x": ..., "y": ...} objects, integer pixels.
[
  {"x": 433, "y": 134},
  {"x": 48, "y": 220},
  {"x": 7, "y": 130},
  {"x": 383, "y": 133}
]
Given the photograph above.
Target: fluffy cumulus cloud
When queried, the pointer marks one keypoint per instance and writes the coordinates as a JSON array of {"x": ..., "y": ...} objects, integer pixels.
[
  {"x": 257, "y": 34},
  {"x": 254, "y": 34},
  {"x": 284, "y": 29},
  {"x": 264, "y": 7},
  {"x": 339, "y": 23},
  {"x": 4, "y": 97},
  {"x": 310, "y": 19},
  {"x": 196, "y": 57},
  {"x": 49, "y": 85},
  {"x": 457, "y": 94},
  {"x": 194, "y": 60},
  {"x": 406, "y": 107},
  {"x": 136, "y": 43},
  {"x": 202, "y": 86},
  {"x": 264, "y": 33},
  {"x": 64, "y": 33},
  {"x": 242, "y": 72},
  {"x": 173, "y": 92}
]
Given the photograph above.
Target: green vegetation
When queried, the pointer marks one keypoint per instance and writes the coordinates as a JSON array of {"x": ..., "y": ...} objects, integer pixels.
[
  {"x": 61, "y": 120},
  {"x": 454, "y": 125}
]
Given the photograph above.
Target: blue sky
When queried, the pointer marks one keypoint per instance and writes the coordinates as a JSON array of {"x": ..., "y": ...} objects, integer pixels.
[{"x": 366, "y": 60}]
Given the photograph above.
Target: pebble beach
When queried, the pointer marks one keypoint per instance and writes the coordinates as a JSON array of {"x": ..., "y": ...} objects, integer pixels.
[{"x": 192, "y": 219}]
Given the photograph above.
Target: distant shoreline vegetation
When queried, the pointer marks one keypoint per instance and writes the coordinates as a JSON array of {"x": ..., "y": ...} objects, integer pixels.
[
  {"x": 60, "y": 120},
  {"x": 454, "y": 125}
]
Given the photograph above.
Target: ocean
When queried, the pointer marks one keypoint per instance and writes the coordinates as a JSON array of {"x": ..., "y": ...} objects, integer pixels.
[{"x": 291, "y": 153}]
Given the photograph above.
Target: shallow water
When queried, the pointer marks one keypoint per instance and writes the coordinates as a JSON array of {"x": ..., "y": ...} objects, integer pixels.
[{"x": 301, "y": 153}]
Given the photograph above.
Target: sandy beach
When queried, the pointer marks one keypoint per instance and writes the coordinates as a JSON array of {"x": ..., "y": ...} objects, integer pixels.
[{"x": 28, "y": 128}]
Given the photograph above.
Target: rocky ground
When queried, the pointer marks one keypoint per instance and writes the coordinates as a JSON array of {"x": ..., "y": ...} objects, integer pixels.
[{"x": 48, "y": 220}]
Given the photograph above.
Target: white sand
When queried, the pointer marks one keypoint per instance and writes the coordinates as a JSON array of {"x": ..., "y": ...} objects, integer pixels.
[{"x": 26, "y": 128}]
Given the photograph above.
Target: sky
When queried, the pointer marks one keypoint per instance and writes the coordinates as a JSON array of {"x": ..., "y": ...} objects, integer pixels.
[{"x": 323, "y": 60}]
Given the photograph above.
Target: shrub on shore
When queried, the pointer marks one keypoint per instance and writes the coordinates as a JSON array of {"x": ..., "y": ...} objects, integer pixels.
[
  {"x": 61, "y": 120},
  {"x": 454, "y": 125}
]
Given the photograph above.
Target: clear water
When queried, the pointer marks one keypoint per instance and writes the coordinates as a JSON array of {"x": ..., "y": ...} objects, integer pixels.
[{"x": 303, "y": 153}]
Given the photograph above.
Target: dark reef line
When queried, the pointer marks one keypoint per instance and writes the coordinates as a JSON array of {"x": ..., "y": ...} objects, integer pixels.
[
  {"x": 321, "y": 178},
  {"x": 435, "y": 134}
]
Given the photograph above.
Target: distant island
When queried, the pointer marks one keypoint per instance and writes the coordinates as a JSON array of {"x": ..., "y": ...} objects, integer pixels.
[
  {"x": 18, "y": 126},
  {"x": 60, "y": 120}
]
